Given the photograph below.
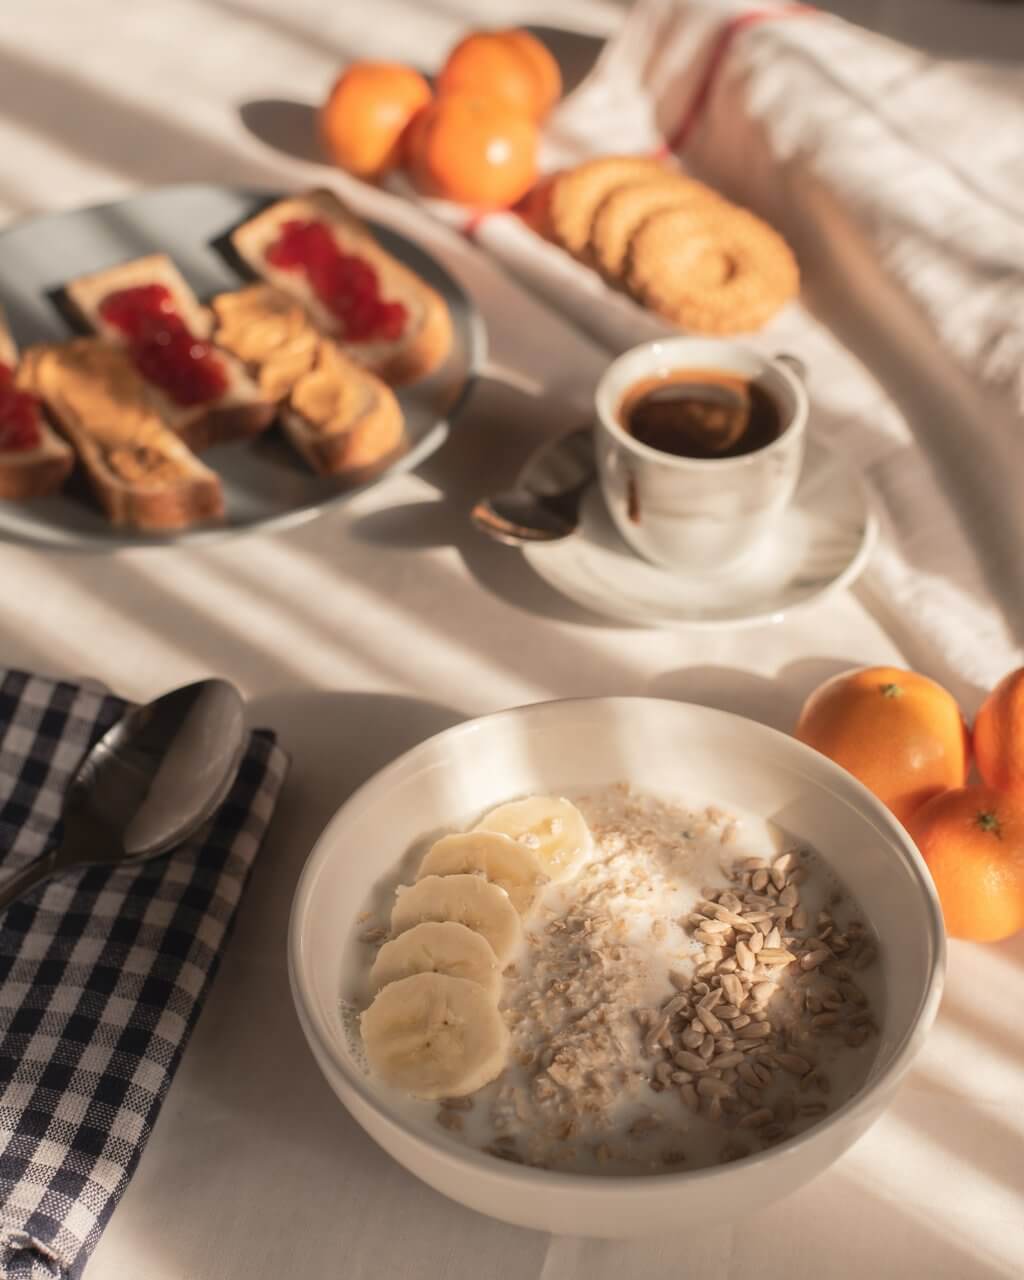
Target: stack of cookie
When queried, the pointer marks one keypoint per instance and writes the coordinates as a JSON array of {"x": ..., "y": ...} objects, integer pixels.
[{"x": 675, "y": 245}]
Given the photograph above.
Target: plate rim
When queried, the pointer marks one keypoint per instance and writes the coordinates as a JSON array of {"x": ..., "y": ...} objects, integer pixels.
[
  {"x": 476, "y": 360},
  {"x": 534, "y": 554}
]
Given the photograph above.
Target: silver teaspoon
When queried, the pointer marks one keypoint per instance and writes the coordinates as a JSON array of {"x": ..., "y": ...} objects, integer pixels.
[
  {"x": 528, "y": 513},
  {"x": 152, "y": 780}
]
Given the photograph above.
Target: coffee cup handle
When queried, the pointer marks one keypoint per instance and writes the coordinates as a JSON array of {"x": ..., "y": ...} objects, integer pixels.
[{"x": 792, "y": 362}]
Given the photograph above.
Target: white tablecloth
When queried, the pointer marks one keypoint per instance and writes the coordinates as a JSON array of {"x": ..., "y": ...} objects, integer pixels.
[{"x": 360, "y": 634}]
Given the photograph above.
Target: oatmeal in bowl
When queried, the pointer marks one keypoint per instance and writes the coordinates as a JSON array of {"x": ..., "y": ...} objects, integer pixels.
[
  {"x": 615, "y": 965},
  {"x": 675, "y": 986}
]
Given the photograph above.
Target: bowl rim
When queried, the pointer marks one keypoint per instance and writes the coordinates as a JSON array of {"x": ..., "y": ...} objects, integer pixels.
[{"x": 613, "y": 1186}]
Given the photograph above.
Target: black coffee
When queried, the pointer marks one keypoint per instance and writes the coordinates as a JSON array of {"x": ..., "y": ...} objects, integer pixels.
[{"x": 701, "y": 413}]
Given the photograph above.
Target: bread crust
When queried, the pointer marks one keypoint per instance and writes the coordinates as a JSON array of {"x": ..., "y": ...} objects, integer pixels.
[
  {"x": 196, "y": 497},
  {"x": 426, "y": 343},
  {"x": 241, "y": 413},
  {"x": 39, "y": 472}
]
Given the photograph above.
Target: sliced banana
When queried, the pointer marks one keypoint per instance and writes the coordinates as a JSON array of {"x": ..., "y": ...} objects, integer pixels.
[
  {"x": 438, "y": 947},
  {"x": 552, "y": 827},
  {"x": 468, "y": 900},
  {"x": 511, "y": 866},
  {"x": 435, "y": 1036}
]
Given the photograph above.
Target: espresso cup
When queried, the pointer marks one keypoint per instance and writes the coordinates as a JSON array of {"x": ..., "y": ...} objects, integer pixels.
[{"x": 698, "y": 514}]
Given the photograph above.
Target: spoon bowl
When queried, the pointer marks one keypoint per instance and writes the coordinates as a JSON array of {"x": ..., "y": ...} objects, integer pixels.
[{"x": 151, "y": 781}]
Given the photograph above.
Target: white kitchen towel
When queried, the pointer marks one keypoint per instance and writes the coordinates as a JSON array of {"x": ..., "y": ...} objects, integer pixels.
[{"x": 900, "y": 181}]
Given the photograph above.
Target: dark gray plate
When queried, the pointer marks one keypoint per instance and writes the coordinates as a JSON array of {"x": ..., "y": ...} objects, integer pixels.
[{"x": 265, "y": 484}]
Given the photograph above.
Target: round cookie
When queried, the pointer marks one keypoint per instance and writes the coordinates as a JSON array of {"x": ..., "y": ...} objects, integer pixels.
[
  {"x": 576, "y": 194},
  {"x": 715, "y": 269},
  {"x": 625, "y": 209}
]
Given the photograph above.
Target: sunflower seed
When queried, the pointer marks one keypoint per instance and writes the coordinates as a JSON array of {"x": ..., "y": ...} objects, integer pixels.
[
  {"x": 707, "y": 1048},
  {"x": 716, "y": 926},
  {"x": 679, "y": 980},
  {"x": 758, "y": 917},
  {"x": 799, "y": 919},
  {"x": 738, "y": 1023},
  {"x": 744, "y": 956},
  {"x": 824, "y": 1020},
  {"x": 759, "y": 881},
  {"x": 681, "y": 1077},
  {"x": 709, "y": 1020},
  {"x": 733, "y": 988},
  {"x": 689, "y": 1061},
  {"x": 663, "y": 1072},
  {"x": 653, "y": 1037},
  {"x": 748, "y": 1072},
  {"x": 778, "y": 878},
  {"x": 754, "y": 1031},
  {"x": 793, "y": 1063},
  {"x": 692, "y": 1039},
  {"x": 715, "y": 1109},
  {"x": 724, "y": 1061},
  {"x": 689, "y": 1095},
  {"x": 756, "y": 1119},
  {"x": 762, "y": 992},
  {"x": 790, "y": 896},
  {"x": 755, "y": 942},
  {"x": 813, "y": 959},
  {"x": 775, "y": 956}
]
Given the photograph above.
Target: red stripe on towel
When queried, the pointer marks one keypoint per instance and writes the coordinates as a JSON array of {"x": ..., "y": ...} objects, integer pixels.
[{"x": 698, "y": 103}]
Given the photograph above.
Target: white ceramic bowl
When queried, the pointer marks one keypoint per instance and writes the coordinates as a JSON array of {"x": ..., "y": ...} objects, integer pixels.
[{"x": 670, "y": 748}]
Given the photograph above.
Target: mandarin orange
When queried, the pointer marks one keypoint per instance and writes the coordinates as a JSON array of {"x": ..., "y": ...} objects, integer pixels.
[
  {"x": 363, "y": 121},
  {"x": 900, "y": 733},
  {"x": 510, "y": 65},
  {"x": 473, "y": 150},
  {"x": 999, "y": 735},
  {"x": 972, "y": 839}
]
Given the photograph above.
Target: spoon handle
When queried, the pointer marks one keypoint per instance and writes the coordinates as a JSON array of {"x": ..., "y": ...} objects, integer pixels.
[{"x": 27, "y": 878}]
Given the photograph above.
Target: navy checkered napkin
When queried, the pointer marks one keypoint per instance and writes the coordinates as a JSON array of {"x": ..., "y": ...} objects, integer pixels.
[{"x": 102, "y": 977}]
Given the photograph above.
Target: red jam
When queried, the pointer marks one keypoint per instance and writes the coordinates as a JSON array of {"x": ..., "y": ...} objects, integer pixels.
[
  {"x": 346, "y": 285},
  {"x": 164, "y": 351},
  {"x": 19, "y": 415}
]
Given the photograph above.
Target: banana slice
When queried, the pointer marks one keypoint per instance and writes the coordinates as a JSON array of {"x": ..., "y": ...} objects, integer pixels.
[
  {"x": 552, "y": 827},
  {"x": 511, "y": 866},
  {"x": 435, "y": 1036},
  {"x": 438, "y": 947},
  {"x": 468, "y": 900}
]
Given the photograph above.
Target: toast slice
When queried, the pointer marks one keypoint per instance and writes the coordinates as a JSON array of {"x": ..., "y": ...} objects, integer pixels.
[
  {"x": 139, "y": 469},
  {"x": 207, "y": 401},
  {"x": 34, "y": 460},
  {"x": 426, "y": 328},
  {"x": 341, "y": 418}
]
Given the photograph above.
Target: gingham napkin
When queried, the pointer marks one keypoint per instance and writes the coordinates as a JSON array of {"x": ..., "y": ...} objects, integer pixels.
[{"x": 102, "y": 977}]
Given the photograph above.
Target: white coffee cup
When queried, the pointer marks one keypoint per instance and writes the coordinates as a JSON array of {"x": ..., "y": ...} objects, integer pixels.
[{"x": 698, "y": 514}]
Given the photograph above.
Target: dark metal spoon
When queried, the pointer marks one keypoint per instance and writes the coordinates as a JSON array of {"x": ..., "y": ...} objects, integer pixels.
[
  {"x": 152, "y": 780},
  {"x": 528, "y": 513}
]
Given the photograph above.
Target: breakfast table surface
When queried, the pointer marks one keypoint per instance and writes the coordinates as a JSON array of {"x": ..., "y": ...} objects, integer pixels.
[{"x": 364, "y": 631}]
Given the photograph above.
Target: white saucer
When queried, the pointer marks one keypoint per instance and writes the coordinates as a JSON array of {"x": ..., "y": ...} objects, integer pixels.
[{"x": 820, "y": 544}]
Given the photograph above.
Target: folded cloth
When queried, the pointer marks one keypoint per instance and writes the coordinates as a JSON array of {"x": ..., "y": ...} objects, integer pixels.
[
  {"x": 102, "y": 977},
  {"x": 890, "y": 173}
]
